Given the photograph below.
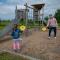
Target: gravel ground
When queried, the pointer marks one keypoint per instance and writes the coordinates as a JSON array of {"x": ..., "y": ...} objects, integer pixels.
[{"x": 38, "y": 45}]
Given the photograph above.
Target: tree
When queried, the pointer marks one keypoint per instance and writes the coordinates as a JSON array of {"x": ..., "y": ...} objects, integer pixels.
[
  {"x": 22, "y": 21},
  {"x": 0, "y": 20},
  {"x": 46, "y": 18},
  {"x": 57, "y": 15}
]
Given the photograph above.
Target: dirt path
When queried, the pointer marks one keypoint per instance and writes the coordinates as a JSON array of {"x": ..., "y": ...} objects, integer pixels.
[{"x": 39, "y": 46}]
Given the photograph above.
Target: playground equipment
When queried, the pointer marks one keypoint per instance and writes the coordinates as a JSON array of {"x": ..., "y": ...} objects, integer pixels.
[
  {"x": 44, "y": 29},
  {"x": 22, "y": 28},
  {"x": 9, "y": 27},
  {"x": 36, "y": 12}
]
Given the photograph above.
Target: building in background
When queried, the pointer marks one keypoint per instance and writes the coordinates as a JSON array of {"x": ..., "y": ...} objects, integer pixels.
[{"x": 20, "y": 12}]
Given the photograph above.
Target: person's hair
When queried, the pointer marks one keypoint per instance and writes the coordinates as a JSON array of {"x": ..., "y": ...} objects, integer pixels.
[
  {"x": 15, "y": 26},
  {"x": 51, "y": 16}
]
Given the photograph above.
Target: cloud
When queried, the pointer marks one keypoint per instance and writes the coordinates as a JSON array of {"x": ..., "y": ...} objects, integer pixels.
[
  {"x": 12, "y": 2},
  {"x": 20, "y": 7},
  {"x": 7, "y": 11},
  {"x": 7, "y": 7}
]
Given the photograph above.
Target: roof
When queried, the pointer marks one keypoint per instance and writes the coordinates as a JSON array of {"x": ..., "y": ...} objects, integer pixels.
[
  {"x": 20, "y": 7},
  {"x": 38, "y": 6}
]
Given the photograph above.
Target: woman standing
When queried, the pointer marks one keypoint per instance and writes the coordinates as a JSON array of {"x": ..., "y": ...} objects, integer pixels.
[{"x": 52, "y": 25}]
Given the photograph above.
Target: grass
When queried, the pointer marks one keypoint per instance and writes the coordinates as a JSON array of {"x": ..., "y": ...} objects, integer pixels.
[
  {"x": 3, "y": 24},
  {"x": 8, "y": 56},
  {"x": 1, "y": 27}
]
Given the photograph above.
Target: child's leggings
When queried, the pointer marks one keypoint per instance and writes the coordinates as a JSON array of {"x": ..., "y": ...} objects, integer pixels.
[{"x": 16, "y": 44}]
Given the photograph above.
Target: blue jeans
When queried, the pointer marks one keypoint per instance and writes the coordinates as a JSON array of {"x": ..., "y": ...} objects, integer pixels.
[{"x": 52, "y": 29}]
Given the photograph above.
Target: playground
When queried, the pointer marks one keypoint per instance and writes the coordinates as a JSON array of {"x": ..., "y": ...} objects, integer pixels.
[
  {"x": 37, "y": 45},
  {"x": 35, "y": 42}
]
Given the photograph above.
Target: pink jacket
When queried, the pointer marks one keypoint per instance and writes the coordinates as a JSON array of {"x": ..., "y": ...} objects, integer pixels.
[{"x": 52, "y": 22}]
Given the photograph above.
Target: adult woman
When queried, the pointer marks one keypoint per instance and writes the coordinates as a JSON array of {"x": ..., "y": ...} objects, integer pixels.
[{"x": 52, "y": 25}]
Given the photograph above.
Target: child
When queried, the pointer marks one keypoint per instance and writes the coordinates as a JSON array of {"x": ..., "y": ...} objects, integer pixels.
[{"x": 16, "y": 38}]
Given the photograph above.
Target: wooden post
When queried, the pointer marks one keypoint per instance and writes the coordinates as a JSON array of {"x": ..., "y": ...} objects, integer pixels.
[
  {"x": 42, "y": 15},
  {"x": 39, "y": 16},
  {"x": 26, "y": 14}
]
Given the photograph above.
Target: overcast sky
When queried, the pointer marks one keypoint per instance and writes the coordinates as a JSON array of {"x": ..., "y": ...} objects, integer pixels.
[{"x": 7, "y": 7}]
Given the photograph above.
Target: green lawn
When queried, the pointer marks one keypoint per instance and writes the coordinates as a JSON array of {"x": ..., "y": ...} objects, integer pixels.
[
  {"x": 3, "y": 24},
  {"x": 8, "y": 56}
]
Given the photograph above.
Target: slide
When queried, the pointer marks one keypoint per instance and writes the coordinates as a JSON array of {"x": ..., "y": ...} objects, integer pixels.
[{"x": 8, "y": 28}]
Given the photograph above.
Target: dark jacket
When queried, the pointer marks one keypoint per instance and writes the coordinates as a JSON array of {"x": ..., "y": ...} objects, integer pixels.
[{"x": 16, "y": 33}]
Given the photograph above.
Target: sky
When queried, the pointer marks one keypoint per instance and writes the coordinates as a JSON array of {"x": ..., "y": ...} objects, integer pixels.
[{"x": 7, "y": 7}]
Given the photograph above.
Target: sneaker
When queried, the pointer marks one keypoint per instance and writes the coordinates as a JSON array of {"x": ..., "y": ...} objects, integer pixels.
[
  {"x": 48, "y": 37},
  {"x": 55, "y": 37}
]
